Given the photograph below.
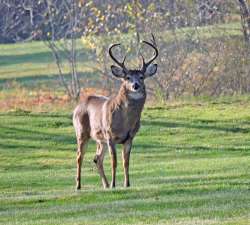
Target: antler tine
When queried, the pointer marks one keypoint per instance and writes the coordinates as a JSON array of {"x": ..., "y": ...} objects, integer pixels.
[
  {"x": 153, "y": 45},
  {"x": 121, "y": 64},
  {"x": 143, "y": 60},
  {"x": 153, "y": 40}
]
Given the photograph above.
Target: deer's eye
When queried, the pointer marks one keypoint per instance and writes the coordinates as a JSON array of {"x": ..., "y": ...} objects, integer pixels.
[
  {"x": 141, "y": 77},
  {"x": 127, "y": 78}
]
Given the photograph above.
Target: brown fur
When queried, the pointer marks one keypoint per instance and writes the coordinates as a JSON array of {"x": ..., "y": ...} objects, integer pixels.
[{"x": 115, "y": 120}]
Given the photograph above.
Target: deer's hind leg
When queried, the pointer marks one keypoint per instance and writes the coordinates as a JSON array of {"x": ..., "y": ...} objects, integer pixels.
[
  {"x": 98, "y": 160},
  {"x": 82, "y": 136},
  {"x": 81, "y": 146}
]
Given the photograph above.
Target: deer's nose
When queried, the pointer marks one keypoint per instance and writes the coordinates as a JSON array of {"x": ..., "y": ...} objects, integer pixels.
[{"x": 136, "y": 86}]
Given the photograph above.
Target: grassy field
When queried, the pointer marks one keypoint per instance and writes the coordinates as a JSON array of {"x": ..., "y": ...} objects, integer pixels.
[
  {"x": 190, "y": 162},
  {"x": 190, "y": 165}
]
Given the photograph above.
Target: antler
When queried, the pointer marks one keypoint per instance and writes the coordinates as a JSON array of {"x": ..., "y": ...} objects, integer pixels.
[
  {"x": 153, "y": 45},
  {"x": 121, "y": 64}
]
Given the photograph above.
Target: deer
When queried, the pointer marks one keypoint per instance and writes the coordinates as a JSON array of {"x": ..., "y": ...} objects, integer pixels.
[{"x": 113, "y": 120}]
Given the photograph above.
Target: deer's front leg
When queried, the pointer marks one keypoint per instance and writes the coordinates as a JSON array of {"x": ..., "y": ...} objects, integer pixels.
[
  {"x": 113, "y": 155},
  {"x": 126, "y": 155}
]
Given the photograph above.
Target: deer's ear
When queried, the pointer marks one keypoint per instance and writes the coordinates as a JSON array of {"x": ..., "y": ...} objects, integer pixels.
[
  {"x": 117, "y": 71},
  {"x": 150, "y": 70}
]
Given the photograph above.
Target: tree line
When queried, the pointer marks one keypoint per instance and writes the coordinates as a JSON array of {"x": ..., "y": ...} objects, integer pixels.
[
  {"x": 190, "y": 62},
  {"x": 27, "y": 19}
]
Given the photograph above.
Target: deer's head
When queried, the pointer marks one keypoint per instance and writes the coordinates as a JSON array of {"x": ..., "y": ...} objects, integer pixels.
[{"x": 134, "y": 79}]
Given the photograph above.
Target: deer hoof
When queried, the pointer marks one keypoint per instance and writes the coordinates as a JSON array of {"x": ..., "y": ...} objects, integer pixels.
[
  {"x": 95, "y": 160},
  {"x": 126, "y": 185},
  {"x": 78, "y": 187},
  {"x": 106, "y": 186}
]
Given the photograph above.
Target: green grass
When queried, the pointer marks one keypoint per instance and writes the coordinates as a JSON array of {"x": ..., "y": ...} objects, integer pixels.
[
  {"x": 190, "y": 165},
  {"x": 32, "y": 64},
  {"x": 190, "y": 162}
]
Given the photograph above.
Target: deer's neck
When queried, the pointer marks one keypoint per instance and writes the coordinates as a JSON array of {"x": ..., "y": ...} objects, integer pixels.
[{"x": 126, "y": 99}]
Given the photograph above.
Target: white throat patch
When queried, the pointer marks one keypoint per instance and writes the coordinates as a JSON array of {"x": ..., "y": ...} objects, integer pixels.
[{"x": 136, "y": 95}]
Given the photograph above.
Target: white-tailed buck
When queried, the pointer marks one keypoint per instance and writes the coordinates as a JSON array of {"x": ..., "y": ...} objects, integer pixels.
[{"x": 114, "y": 120}]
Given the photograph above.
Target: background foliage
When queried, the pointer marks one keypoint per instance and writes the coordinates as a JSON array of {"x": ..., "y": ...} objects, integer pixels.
[{"x": 204, "y": 45}]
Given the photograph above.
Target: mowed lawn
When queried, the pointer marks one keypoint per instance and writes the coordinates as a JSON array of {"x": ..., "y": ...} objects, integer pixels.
[{"x": 190, "y": 165}]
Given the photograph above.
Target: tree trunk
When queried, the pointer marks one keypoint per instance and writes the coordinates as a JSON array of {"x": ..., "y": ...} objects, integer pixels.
[
  {"x": 137, "y": 25},
  {"x": 245, "y": 19},
  {"x": 172, "y": 10}
]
